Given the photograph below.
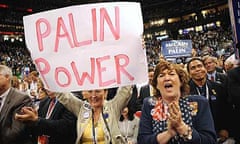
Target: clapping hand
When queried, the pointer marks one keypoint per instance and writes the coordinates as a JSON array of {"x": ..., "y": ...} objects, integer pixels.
[
  {"x": 175, "y": 118},
  {"x": 175, "y": 115},
  {"x": 27, "y": 114}
]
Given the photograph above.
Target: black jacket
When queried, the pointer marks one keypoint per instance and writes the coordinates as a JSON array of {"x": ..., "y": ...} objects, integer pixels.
[
  {"x": 217, "y": 99},
  {"x": 60, "y": 127}
]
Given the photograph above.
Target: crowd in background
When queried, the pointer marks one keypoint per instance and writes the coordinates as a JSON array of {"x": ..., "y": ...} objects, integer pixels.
[
  {"x": 216, "y": 42},
  {"x": 16, "y": 56}
]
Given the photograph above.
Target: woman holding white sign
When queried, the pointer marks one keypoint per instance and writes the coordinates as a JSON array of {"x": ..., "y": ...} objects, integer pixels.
[{"x": 97, "y": 119}]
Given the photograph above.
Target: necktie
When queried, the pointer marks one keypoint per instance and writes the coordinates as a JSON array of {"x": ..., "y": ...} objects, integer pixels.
[
  {"x": 50, "y": 108},
  {"x": 0, "y": 102},
  {"x": 202, "y": 91},
  {"x": 212, "y": 78}
]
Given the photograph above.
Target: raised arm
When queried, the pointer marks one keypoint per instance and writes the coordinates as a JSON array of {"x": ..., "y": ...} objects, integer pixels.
[{"x": 71, "y": 102}]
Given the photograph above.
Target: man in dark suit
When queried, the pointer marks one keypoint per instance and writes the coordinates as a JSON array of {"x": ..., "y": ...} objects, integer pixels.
[
  {"x": 233, "y": 92},
  {"x": 210, "y": 64},
  {"x": 11, "y": 101},
  {"x": 52, "y": 123},
  {"x": 201, "y": 85}
]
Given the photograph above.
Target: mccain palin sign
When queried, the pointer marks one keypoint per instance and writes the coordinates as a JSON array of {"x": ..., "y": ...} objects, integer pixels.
[{"x": 176, "y": 48}]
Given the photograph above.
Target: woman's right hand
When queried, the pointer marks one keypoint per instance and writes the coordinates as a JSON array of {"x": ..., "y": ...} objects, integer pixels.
[
  {"x": 171, "y": 130},
  {"x": 164, "y": 137},
  {"x": 175, "y": 115},
  {"x": 175, "y": 119}
]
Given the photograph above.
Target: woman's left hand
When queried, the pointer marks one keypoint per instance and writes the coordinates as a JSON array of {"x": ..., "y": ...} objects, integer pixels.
[
  {"x": 175, "y": 115},
  {"x": 175, "y": 119}
]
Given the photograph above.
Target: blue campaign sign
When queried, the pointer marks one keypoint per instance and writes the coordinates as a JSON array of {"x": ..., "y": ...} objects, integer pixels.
[
  {"x": 176, "y": 48},
  {"x": 234, "y": 9}
]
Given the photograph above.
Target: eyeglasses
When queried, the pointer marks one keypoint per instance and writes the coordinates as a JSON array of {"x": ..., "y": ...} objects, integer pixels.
[{"x": 124, "y": 111}]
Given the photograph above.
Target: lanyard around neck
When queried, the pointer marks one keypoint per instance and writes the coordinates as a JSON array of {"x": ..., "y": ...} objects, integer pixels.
[
  {"x": 50, "y": 108},
  {"x": 126, "y": 128},
  {"x": 207, "y": 92},
  {"x": 93, "y": 128}
]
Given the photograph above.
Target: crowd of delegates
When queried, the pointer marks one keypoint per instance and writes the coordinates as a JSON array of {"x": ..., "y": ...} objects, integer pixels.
[
  {"x": 97, "y": 115},
  {"x": 167, "y": 115},
  {"x": 16, "y": 56},
  {"x": 215, "y": 41}
]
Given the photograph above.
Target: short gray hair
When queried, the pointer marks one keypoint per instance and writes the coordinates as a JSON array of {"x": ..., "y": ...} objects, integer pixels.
[{"x": 5, "y": 70}]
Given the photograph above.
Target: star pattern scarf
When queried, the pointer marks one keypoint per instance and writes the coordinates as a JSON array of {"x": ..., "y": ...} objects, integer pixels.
[{"x": 160, "y": 114}]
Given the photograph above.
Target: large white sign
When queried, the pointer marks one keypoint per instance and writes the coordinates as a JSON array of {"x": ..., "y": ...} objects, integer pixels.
[{"x": 88, "y": 46}]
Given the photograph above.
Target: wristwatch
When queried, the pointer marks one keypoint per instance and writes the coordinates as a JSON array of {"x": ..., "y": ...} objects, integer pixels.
[{"x": 188, "y": 134}]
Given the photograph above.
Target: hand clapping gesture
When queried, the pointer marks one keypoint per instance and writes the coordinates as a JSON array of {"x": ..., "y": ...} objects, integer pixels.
[
  {"x": 176, "y": 122},
  {"x": 27, "y": 114}
]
